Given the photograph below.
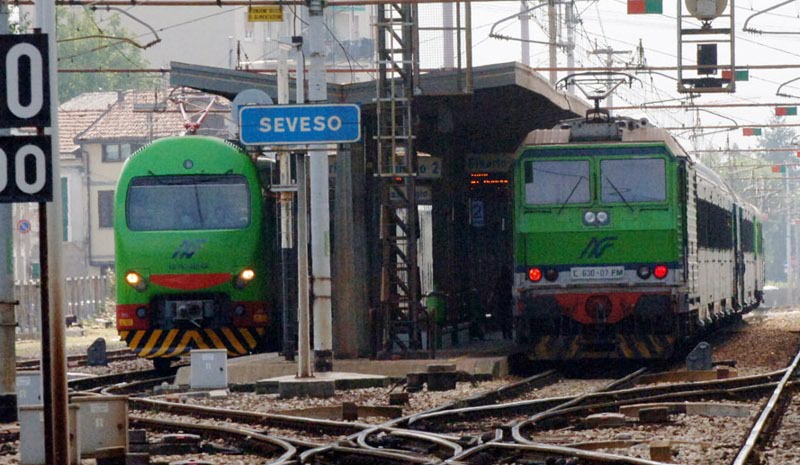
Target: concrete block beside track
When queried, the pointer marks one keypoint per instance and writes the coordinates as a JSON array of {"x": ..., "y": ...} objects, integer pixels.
[{"x": 252, "y": 368}]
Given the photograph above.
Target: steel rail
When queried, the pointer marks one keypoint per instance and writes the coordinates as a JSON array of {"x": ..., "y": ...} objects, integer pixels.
[
  {"x": 242, "y": 436},
  {"x": 539, "y": 405},
  {"x": 573, "y": 403},
  {"x": 766, "y": 414},
  {"x": 378, "y": 454},
  {"x": 263, "y": 419},
  {"x": 512, "y": 389},
  {"x": 127, "y": 388},
  {"x": 103, "y": 381},
  {"x": 115, "y": 355},
  {"x": 550, "y": 450},
  {"x": 437, "y": 439},
  {"x": 728, "y": 394}
]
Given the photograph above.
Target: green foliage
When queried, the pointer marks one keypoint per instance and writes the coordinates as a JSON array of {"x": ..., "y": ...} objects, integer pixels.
[
  {"x": 777, "y": 206},
  {"x": 95, "y": 52},
  {"x": 18, "y": 22}
]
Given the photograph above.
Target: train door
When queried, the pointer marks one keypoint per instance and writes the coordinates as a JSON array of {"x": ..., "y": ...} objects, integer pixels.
[{"x": 738, "y": 257}]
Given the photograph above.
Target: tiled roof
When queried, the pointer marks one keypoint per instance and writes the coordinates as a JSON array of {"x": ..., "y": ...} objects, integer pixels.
[
  {"x": 90, "y": 101},
  {"x": 72, "y": 123},
  {"x": 133, "y": 118}
]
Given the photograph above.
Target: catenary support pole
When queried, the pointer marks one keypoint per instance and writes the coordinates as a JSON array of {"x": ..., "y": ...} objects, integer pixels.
[
  {"x": 304, "y": 364},
  {"x": 553, "y": 38},
  {"x": 448, "y": 52},
  {"x": 525, "y": 32},
  {"x": 571, "y": 23},
  {"x": 303, "y": 330},
  {"x": 320, "y": 203},
  {"x": 46, "y": 19},
  {"x": 789, "y": 264},
  {"x": 8, "y": 396},
  {"x": 286, "y": 206}
]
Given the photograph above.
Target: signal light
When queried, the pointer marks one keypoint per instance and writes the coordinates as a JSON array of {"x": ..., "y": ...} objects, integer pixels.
[
  {"x": 244, "y": 278},
  {"x": 660, "y": 271},
  {"x": 135, "y": 280},
  {"x": 535, "y": 275},
  {"x": 551, "y": 275}
]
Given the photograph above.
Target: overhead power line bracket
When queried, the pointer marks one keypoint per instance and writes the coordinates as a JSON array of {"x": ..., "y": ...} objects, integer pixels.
[{"x": 710, "y": 44}]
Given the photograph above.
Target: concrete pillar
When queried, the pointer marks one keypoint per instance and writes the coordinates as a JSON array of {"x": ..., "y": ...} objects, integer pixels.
[{"x": 351, "y": 304}]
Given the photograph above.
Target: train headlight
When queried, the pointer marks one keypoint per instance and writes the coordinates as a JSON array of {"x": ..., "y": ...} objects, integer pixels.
[
  {"x": 244, "y": 278},
  {"x": 135, "y": 280},
  {"x": 239, "y": 310},
  {"x": 551, "y": 275},
  {"x": 643, "y": 272},
  {"x": 602, "y": 217},
  {"x": 141, "y": 312},
  {"x": 589, "y": 217},
  {"x": 535, "y": 275},
  {"x": 660, "y": 271}
]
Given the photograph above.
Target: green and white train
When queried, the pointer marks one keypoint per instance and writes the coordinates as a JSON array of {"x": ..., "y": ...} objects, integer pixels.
[{"x": 624, "y": 245}]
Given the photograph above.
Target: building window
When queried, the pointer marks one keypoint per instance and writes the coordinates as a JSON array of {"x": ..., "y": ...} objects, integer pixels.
[
  {"x": 105, "y": 209},
  {"x": 118, "y": 152}
]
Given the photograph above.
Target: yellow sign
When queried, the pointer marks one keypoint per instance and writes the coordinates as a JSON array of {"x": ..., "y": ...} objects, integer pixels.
[{"x": 256, "y": 14}]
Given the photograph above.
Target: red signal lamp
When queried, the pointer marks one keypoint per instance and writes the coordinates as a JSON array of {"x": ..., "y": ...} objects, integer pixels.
[
  {"x": 535, "y": 275},
  {"x": 660, "y": 271}
]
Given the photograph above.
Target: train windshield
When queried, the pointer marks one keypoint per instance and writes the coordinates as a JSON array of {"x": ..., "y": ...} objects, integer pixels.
[
  {"x": 557, "y": 182},
  {"x": 633, "y": 180},
  {"x": 180, "y": 203}
]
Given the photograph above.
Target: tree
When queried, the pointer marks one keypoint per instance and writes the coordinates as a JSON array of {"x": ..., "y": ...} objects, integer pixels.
[
  {"x": 781, "y": 206},
  {"x": 77, "y": 49}
]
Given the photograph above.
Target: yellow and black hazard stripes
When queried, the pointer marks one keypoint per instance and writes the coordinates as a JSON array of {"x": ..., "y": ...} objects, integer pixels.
[
  {"x": 627, "y": 346},
  {"x": 155, "y": 343}
]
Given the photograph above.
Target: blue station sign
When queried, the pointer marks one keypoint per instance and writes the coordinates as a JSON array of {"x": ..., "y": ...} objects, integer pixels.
[{"x": 299, "y": 124}]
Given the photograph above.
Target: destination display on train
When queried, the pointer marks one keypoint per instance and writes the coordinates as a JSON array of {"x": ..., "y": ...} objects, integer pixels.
[{"x": 299, "y": 124}]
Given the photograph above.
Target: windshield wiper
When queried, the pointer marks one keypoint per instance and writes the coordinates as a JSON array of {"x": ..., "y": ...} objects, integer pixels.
[
  {"x": 619, "y": 194},
  {"x": 570, "y": 194}
]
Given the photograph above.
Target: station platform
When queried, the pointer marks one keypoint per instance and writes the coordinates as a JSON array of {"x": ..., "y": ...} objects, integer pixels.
[{"x": 487, "y": 357}]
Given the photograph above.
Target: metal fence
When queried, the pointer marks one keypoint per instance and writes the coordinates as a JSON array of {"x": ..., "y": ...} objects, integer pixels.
[{"x": 85, "y": 297}]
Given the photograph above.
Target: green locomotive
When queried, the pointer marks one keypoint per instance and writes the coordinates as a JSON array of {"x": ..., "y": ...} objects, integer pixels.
[
  {"x": 191, "y": 250},
  {"x": 625, "y": 246}
]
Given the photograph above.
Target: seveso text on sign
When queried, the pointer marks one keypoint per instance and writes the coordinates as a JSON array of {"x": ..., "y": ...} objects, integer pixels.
[
  {"x": 300, "y": 124},
  {"x": 257, "y": 14}
]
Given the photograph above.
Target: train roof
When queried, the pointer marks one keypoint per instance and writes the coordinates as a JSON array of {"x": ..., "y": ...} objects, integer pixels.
[{"x": 614, "y": 130}]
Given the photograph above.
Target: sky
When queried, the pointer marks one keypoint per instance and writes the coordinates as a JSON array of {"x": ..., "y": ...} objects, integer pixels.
[{"x": 607, "y": 23}]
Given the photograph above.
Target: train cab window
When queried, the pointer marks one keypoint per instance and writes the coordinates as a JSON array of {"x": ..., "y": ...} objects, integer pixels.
[
  {"x": 180, "y": 203},
  {"x": 633, "y": 180},
  {"x": 557, "y": 182}
]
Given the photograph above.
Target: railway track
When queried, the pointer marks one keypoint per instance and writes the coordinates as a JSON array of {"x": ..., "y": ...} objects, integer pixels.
[
  {"x": 81, "y": 359},
  {"x": 494, "y": 426},
  {"x": 769, "y": 419}
]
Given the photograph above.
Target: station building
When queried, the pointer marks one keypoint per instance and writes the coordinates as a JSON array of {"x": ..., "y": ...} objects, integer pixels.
[{"x": 465, "y": 143}]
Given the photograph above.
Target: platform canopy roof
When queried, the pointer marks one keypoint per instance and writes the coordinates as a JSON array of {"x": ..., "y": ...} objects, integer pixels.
[{"x": 509, "y": 100}]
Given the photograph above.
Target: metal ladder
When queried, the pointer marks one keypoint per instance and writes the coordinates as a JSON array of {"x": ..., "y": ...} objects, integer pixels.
[{"x": 398, "y": 323}]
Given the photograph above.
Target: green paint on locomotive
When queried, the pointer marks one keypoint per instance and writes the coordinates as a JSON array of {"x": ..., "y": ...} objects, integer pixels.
[
  {"x": 555, "y": 234},
  {"x": 204, "y": 232}
]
